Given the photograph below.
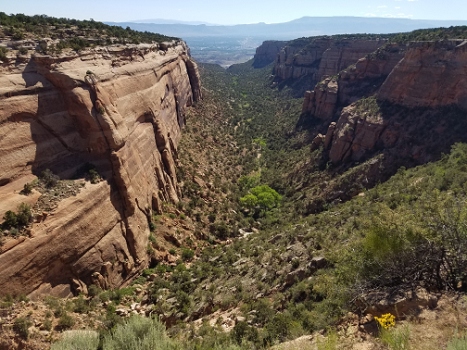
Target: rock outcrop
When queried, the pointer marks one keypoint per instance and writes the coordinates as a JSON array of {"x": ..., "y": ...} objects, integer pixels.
[
  {"x": 355, "y": 134},
  {"x": 267, "y": 52},
  {"x": 321, "y": 57},
  {"x": 120, "y": 108},
  {"x": 360, "y": 79},
  {"x": 431, "y": 74},
  {"x": 407, "y": 110}
]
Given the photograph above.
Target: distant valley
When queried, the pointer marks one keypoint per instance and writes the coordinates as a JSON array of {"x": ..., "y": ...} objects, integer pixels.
[{"x": 227, "y": 45}]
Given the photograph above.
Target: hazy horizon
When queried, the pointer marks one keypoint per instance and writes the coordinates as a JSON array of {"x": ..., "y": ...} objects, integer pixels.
[{"x": 240, "y": 11}]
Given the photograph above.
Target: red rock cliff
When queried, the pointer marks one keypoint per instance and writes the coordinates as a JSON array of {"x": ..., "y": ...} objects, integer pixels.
[
  {"x": 407, "y": 111},
  {"x": 267, "y": 52},
  {"x": 362, "y": 78},
  {"x": 431, "y": 74},
  {"x": 120, "y": 108},
  {"x": 321, "y": 57}
]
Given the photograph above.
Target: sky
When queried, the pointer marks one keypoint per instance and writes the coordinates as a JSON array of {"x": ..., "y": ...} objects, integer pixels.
[{"x": 237, "y": 11}]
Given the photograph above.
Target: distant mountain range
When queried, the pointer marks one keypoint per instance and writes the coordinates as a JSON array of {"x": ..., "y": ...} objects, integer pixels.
[
  {"x": 305, "y": 26},
  {"x": 171, "y": 21}
]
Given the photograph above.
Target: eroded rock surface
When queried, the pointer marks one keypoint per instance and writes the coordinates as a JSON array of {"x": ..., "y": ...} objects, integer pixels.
[
  {"x": 362, "y": 78},
  {"x": 120, "y": 108},
  {"x": 267, "y": 52},
  {"x": 430, "y": 77},
  {"x": 323, "y": 57},
  {"x": 431, "y": 74}
]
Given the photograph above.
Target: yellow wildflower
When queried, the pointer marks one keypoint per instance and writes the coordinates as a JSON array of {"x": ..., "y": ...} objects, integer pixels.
[{"x": 386, "y": 321}]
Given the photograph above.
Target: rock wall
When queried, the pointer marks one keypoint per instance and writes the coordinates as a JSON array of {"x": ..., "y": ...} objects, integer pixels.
[
  {"x": 431, "y": 74},
  {"x": 321, "y": 57},
  {"x": 416, "y": 110},
  {"x": 120, "y": 108},
  {"x": 267, "y": 52},
  {"x": 362, "y": 78}
]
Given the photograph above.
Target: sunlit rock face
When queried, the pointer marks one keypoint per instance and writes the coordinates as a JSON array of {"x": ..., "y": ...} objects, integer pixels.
[{"x": 119, "y": 108}]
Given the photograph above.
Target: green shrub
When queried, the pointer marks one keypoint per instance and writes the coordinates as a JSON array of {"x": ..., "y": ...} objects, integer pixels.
[
  {"x": 49, "y": 179},
  {"x": 457, "y": 343},
  {"x": 24, "y": 216},
  {"x": 139, "y": 333},
  {"x": 220, "y": 230},
  {"x": 21, "y": 327},
  {"x": 3, "y": 51},
  {"x": 10, "y": 219},
  {"x": 78, "y": 340},
  {"x": 80, "y": 305},
  {"x": 27, "y": 189},
  {"x": 23, "y": 50},
  {"x": 93, "y": 176},
  {"x": 330, "y": 342},
  {"x": 65, "y": 321},
  {"x": 21, "y": 219},
  {"x": 187, "y": 254},
  {"x": 396, "y": 338},
  {"x": 94, "y": 290}
]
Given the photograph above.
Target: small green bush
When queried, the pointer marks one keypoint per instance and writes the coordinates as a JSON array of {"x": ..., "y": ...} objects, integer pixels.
[
  {"x": 187, "y": 254},
  {"x": 139, "y": 333},
  {"x": 3, "y": 51},
  {"x": 80, "y": 340},
  {"x": 65, "y": 321},
  {"x": 24, "y": 215},
  {"x": 94, "y": 290},
  {"x": 396, "y": 338},
  {"x": 9, "y": 219},
  {"x": 81, "y": 305},
  {"x": 27, "y": 189},
  {"x": 21, "y": 219},
  {"x": 23, "y": 50},
  {"x": 49, "y": 179},
  {"x": 21, "y": 327}
]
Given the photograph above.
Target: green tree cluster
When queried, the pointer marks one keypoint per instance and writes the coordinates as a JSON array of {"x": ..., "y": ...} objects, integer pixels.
[{"x": 261, "y": 197}]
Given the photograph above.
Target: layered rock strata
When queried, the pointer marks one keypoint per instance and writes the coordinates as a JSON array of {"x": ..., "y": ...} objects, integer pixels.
[
  {"x": 431, "y": 74},
  {"x": 321, "y": 57},
  {"x": 120, "y": 108},
  {"x": 429, "y": 77},
  {"x": 362, "y": 78},
  {"x": 267, "y": 52}
]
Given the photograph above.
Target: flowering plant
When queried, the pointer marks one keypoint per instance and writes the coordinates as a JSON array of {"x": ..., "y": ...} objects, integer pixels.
[{"x": 386, "y": 321}]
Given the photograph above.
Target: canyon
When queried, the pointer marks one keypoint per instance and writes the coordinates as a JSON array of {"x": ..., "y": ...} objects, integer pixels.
[
  {"x": 118, "y": 108},
  {"x": 132, "y": 217}
]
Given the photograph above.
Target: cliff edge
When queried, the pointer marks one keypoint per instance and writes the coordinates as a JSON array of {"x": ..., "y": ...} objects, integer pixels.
[{"x": 118, "y": 108}]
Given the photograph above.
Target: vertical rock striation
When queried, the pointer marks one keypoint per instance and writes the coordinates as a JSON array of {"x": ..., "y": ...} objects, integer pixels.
[
  {"x": 321, "y": 57},
  {"x": 421, "y": 94},
  {"x": 120, "y": 108},
  {"x": 267, "y": 52}
]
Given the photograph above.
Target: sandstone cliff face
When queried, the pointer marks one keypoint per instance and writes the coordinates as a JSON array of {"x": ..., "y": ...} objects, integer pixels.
[
  {"x": 323, "y": 57},
  {"x": 355, "y": 133},
  {"x": 363, "y": 78},
  {"x": 267, "y": 52},
  {"x": 431, "y": 74},
  {"x": 407, "y": 111},
  {"x": 120, "y": 108}
]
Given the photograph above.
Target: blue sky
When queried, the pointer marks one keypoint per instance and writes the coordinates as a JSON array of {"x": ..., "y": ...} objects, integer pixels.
[{"x": 238, "y": 11}]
